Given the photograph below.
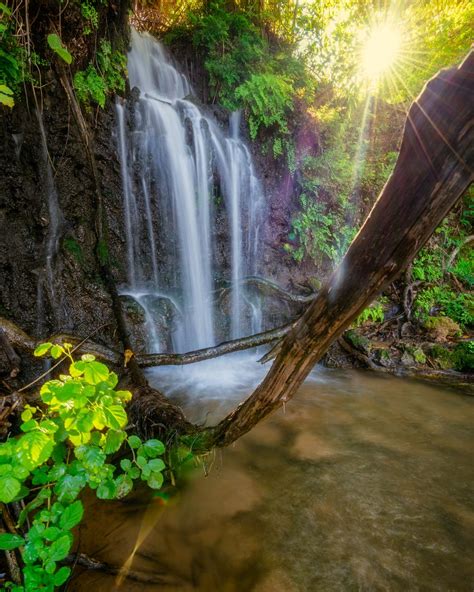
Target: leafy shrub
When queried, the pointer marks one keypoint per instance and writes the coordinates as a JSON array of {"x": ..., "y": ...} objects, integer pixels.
[
  {"x": 441, "y": 299},
  {"x": 267, "y": 99},
  {"x": 322, "y": 234},
  {"x": 373, "y": 313},
  {"x": 65, "y": 446},
  {"x": 90, "y": 86},
  {"x": 463, "y": 269},
  {"x": 428, "y": 265},
  {"x": 94, "y": 84},
  {"x": 13, "y": 69},
  {"x": 463, "y": 356},
  {"x": 232, "y": 45},
  {"x": 90, "y": 15},
  {"x": 244, "y": 70}
]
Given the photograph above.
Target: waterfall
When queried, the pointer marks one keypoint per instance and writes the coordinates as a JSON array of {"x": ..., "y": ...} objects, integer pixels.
[
  {"x": 46, "y": 277},
  {"x": 176, "y": 164}
]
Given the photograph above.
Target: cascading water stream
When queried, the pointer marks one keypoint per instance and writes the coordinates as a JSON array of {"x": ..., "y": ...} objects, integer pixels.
[
  {"x": 176, "y": 163},
  {"x": 46, "y": 279}
]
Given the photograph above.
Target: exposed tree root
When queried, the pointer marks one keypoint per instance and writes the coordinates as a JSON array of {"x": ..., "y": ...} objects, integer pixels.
[{"x": 269, "y": 287}]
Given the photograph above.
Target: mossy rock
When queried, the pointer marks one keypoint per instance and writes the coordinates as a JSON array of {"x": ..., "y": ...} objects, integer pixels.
[
  {"x": 413, "y": 355},
  {"x": 442, "y": 356},
  {"x": 383, "y": 357},
  {"x": 440, "y": 328},
  {"x": 359, "y": 341}
]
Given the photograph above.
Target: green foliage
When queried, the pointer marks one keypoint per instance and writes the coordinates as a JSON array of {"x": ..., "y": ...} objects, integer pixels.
[
  {"x": 13, "y": 59},
  {"x": 245, "y": 71},
  {"x": 428, "y": 265},
  {"x": 323, "y": 228},
  {"x": 463, "y": 356},
  {"x": 57, "y": 46},
  {"x": 321, "y": 234},
  {"x": 443, "y": 300},
  {"x": 73, "y": 247},
  {"x": 231, "y": 44},
  {"x": 373, "y": 313},
  {"x": 94, "y": 84},
  {"x": 64, "y": 448},
  {"x": 463, "y": 269},
  {"x": 90, "y": 86},
  {"x": 90, "y": 15},
  {"x": 268, "y": 100}
]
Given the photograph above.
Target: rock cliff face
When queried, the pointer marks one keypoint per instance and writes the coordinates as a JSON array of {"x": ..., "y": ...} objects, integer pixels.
[{"x": 72, "y": 297}]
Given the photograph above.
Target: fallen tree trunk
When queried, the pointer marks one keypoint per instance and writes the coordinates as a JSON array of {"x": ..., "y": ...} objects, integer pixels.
[
  {"x": 14, "y": 336},
  {"x": 227, "y": 347},
  {"x": 434, "y": 168}
]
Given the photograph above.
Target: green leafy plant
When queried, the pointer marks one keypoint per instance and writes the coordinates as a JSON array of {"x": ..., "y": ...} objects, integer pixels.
[
  {"x": 57, "y": 46},
  {"x": 463, "y": 356},
  {"x": 442, "y": 299},
  {"x": 90, "y": 15},
  {"x": 464, "y": 270},
  {"x": 94, "y": 83},
  {"x": 320, "y": 233},
  {"x": 13, "y": 68},
  {"x": 373, "y": 313},
  {"x": 268, "y": 100},
  {"x": 65, "y": 447},
  {"x": 90, "y": 86}
]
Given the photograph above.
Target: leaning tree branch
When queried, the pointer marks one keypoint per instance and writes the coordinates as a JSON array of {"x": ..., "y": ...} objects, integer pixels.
[
  {"x": 227, "y": 347},
  {"x": 434, "y": 168}
]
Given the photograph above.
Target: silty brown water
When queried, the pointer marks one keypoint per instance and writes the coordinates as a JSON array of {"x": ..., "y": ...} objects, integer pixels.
[{"x": 363, "y": 483}]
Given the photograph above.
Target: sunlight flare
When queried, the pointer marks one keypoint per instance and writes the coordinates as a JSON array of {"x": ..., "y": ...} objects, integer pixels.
[{"x": 381, "y": 50}]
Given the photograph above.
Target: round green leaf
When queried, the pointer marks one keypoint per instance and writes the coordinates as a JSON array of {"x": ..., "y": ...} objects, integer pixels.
[
  {"x": 95, "y": 372},
  {"x": 134, "y": 441},
  {"x": 60, "y": 549},
  {"x": 9, "y": 489},
  {"x": 126, "y": 464},
  {"x": 116, "y": 417},
  {"x": 154, "y": 448},
  {"x": 114, "y": 440},
  {"x": 156, "y": 465},
  {"x": 155, "y": 480},
  {"x": 56, "y": 351},
  {"x": 72, "y": 516},
  {"x": 42, "y": 349},
  {"x": 124, "y": 486},
  {"x": 61, "y": 576},
  {"x": 107, "y": 490},
  {"x": 10, "y": 541}
]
